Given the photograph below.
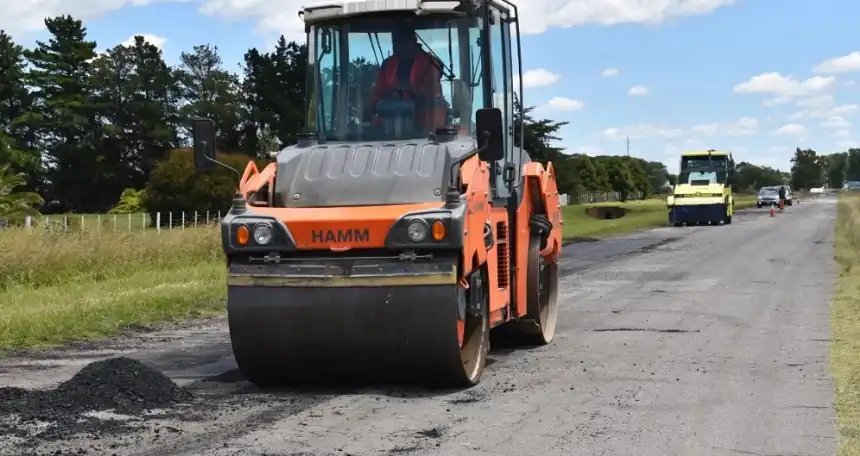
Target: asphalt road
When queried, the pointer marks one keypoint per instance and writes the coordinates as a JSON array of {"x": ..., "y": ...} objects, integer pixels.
[{"x": 678, "y": 341}]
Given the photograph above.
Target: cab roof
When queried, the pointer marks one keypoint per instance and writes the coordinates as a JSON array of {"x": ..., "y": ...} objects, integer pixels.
[
  {"x": 705, "y": 153},
  {"x": 330, "y": 9}
]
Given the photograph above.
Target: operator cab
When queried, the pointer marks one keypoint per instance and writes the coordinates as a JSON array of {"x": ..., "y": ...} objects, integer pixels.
[
  {"x": 357, "y": 47},
  {"x": 707, "y": 168}
]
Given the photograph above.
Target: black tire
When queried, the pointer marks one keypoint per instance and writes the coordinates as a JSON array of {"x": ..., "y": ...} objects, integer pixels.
[
  {"x": 678, "y": 224},
  {"x": 476, "y": 341},
  {"x": 789, "y": 202},
  {"x": 758, "y": 205},
  {"x": 537, "y": 327}
]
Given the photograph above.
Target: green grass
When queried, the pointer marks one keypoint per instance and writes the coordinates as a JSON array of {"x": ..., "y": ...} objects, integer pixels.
[
  {"x": 845, "y": 325},
  {"x": 56, "y": 288},
  {"x": 641, "y": 215}
]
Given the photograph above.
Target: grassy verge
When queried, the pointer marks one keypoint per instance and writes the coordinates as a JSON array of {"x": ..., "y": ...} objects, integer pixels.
[
  {"x": 56, "y": 288},
  {"x": 845, "y": 324},
  {"x": 641, "y": 215}
]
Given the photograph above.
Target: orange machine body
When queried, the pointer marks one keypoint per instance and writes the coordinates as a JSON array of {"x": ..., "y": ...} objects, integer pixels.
[{"x": 355, "y": 228}]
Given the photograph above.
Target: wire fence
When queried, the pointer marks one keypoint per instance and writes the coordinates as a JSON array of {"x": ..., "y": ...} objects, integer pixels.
[
  {"x": 179, "y": 220},
  {"x": 142, "y": 222}
]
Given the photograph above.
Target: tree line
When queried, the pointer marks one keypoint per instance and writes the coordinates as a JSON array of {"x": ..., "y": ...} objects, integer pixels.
[
  {"x": 94, "y": 131},
  {"x": 812, "y": 170}
]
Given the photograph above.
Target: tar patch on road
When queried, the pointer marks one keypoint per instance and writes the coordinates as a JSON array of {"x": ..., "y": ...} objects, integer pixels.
[
  {"x": 657, "y": 330},
  {"x": 121, "y": 386}
]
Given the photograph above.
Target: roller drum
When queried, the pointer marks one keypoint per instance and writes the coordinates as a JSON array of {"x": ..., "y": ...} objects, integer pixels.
[{"x": 398, "y": 323}]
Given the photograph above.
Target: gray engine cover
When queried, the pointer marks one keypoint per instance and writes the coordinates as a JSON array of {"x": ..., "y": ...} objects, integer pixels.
[{"x": 367, "y": 173}]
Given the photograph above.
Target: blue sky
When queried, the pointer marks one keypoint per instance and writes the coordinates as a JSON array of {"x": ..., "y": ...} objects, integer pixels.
[{"x": 757, "y": 77}]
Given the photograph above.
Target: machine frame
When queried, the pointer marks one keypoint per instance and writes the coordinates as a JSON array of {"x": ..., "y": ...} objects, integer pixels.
[{"x": 305, "y": 244}]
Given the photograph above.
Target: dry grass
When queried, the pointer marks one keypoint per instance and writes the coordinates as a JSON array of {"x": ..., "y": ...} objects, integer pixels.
[
  {"x": 845, "y": 324},
  {"x": 61, "y": 287},
  {"x": 641, "y": 215}
]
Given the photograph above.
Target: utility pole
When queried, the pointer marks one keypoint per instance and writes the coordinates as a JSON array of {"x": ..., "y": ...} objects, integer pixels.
[{"x": 628, "y": 146}]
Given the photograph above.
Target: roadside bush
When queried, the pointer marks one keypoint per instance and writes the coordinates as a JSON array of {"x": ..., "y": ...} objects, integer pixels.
[
  {"x": 176, "y": 186},
  {"x": 130, "y": 202}
]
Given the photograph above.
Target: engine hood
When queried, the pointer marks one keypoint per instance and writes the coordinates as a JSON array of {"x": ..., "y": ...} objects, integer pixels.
[
  {"x": 367, "y": 173},
  {"x": 699, "y": 190}
]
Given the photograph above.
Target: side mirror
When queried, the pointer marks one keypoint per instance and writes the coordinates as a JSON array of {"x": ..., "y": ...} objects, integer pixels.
[
  {"x": 489, "y": 120},
  {"x": 203, "y": 131}
]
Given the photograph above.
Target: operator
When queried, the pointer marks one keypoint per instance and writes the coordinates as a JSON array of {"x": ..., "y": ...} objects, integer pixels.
[
  {"x": 413, "y": 74},
  {"x": 782, "y": 197}
]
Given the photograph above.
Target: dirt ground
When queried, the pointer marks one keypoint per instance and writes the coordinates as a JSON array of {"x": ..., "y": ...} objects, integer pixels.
[{"x": 677, "y": 341}]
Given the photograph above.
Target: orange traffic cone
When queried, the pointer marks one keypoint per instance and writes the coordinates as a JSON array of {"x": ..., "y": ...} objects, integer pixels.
[{"x": 772, "y": 211}]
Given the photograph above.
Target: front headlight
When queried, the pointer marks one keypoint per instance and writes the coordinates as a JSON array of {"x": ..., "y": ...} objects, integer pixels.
[
  {"x": 263, "y": 233},
  {"x": 417, "y": 230}
]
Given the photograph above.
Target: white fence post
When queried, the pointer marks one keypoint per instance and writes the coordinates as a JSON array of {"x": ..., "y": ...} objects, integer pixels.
[
  {"x": 183, "y": 220},
  {"x": 158, "y": 221}
]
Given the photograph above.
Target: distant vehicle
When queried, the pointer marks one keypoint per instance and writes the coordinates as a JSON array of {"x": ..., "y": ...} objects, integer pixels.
[
  {"x": 768, "y": 196},
  {"x": 703, "y": 194}
]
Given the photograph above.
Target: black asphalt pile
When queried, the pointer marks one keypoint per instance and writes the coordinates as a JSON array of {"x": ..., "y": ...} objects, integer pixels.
[{"x": 120, "y": 385}]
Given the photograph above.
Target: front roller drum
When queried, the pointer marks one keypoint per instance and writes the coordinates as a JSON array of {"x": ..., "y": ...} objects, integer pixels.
[{"x": 335, "y": 334}]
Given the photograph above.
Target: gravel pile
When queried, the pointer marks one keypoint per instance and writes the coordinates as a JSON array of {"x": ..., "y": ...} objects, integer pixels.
[{"x": 120, "y": 385}]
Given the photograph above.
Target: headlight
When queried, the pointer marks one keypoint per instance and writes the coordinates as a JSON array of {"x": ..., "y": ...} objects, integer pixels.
[
  {"x": 417, "y": 230},
  {"x": 263, "y": 233}
]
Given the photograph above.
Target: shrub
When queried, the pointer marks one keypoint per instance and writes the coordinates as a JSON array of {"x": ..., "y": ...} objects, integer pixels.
[
  {"x": 130, "y": 202},
  {"x": 176, "y": 186}
]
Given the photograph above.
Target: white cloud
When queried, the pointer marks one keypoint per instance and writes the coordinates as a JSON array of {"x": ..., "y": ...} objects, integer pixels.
[
  {"x": 565, "y": 104},
  {"x": 539, "y": 15},
  {"x": 585, "y": 150},
  {"x": 836, "y": 122},
  {"x": 23, "y": 17},
  {"x": 155, "y": 40},
  {"x": 741, "y": 127},
  {"x": 791, "y": 130},
  {"x": 642, "y": 131},
  {"x": 841, "y": 133},
  {"x": 818, "y": 101},
  {"x": 706, "y": 129},
  {"x": 638, "y": 91},
  {"x": 845, "y": 109},
  {"x": 784, "y": 86},
  {"x": 610, "y": 73},
  {"x": 538, "y": 78},
  {"x": 836, "y": 65},
  {"x": 775, "y": 101},
  {"x": 825, "y": 112},
  {"x": 848, "y": 144}
]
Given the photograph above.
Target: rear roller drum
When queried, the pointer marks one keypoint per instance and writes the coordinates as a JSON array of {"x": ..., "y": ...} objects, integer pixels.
[{"x": 538, "y": 325}]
